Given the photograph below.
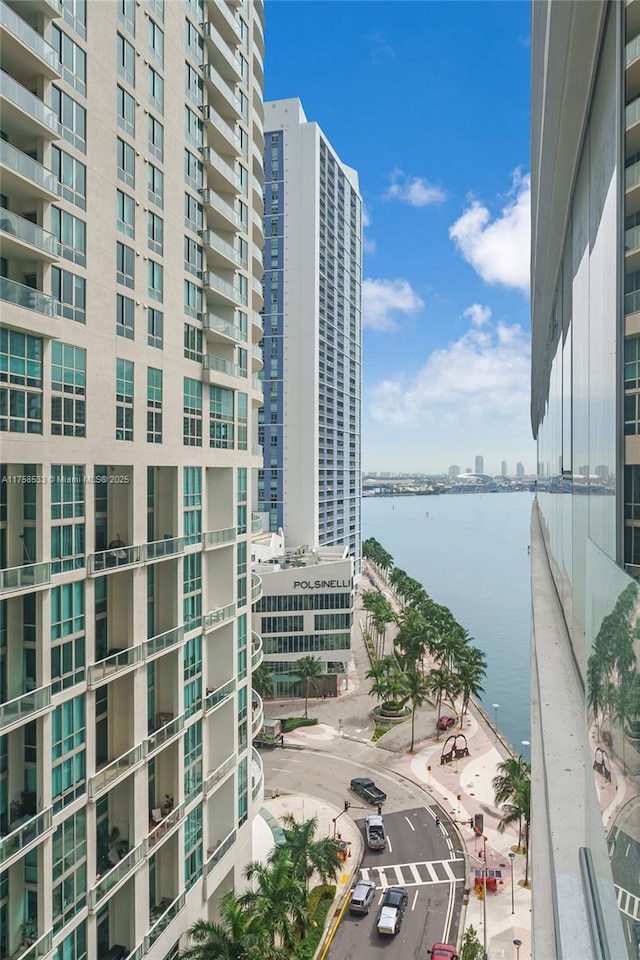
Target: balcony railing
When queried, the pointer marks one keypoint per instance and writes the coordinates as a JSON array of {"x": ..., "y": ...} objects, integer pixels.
[
  {"x": 632, "y": 50},
  {"x": 219, "y": 773},
  {"x": 24, "y": 835},
  {"x": 163, "y": 548},
  {"x": 164, "y": 734},
  {"x": 256, "y": 450},
  {"x": 111, "y": 879},
  {"x": 25, "y": 100},
  {"x": 106, "y": 561},
  {"x": 257, "y": 773},
  {"x": 212, "y": 240},
  {"x": 256, "y": 650},
  {"x": 211, "y": 115},
  {"x": 23, "y": 296},
  {"x": 211, "y": 362},
  {"x": 166, "y": 825},
  {"x": 108, "y": 774},
  {"x": 163, "y": 921},
  {"x": 256, "y": 587},
  {"x": 212, "y": 322},
  {"x": 24, "y": 706},
  {"x": 215, "y": 617},
  {"x": 632, "y": 302},
  {"x": 28, "y": 232},
  {"x": 257, "y": 714},
  {"x": 211, "y": 198},
  {"x": 29, "y": 575},
  {"x": 162, "y": 642},
  {"x": 257, "y": 320},
  {"x": 36, "y": 951},
  {"x": 632, "y": 112},
  {"x": 231, "y": 19},
  {"x": 256, "y": 524},
  {"x": 217, "y": 853},
  {"x": 213, "y": 538},
  {"x": 213, "y": 281},
  {"x": 632, "y": 239},
  {"x": 28, "y": 36},
  {"x": 116, "y": 663},
  {"x": 632, "y": 175},
  {"x": 257, "y": 384},
  {"x": 29, "y": 168},
  {"x": 217, "y": 697},
  {"x": 222, "y": 85},
  {"x": 211, "y": 157},
  {"x": 213, "y": 35}
]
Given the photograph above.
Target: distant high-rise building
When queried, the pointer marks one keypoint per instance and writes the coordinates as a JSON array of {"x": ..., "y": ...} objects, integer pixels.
[
  {"x": 479, "y": 464},
  {"x": 454, "y": 470},
  {"x": 310, "y": 424},
  {"x": 467, "y": 469},
  {"x": 519, "y": 469},
  {"x": 503, "y": 468}
]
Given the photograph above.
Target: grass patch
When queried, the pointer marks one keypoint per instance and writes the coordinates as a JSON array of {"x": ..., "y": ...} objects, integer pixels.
[
  {"x": 320, "y": 900},
  {"x": 292, "y": 723},
  {"x": 379, "y": 732}
]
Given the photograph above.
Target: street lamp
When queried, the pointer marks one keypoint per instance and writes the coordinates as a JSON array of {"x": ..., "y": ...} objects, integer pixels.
[
  {"x": 526, "y": 744},
  {"x": 512, "y": 857},
  {"x": 517, "y": 944},
  {"x": 496, "y": 707},
  {"x": 483, "y": 862}
]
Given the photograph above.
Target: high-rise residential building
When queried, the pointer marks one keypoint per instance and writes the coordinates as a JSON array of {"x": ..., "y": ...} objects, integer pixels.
[
  {"x": 519, "y": 470},
  {"x": 454, "y": 470},
  {"x": 479, "y": 468},
  {"x": 585, "y": 551},
  {"x": 310, "y": 423},
  {"x": 503, "y": 468},
  {"x": 131, "y": 231}
]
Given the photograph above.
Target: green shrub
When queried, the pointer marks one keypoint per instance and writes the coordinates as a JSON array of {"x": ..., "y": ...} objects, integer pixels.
[
  {"x": 392, "y": 706},
  {"x": 291, "y": 723},
  {"x": 320, "y": 900},
  {"x": 379, "y": 732}
]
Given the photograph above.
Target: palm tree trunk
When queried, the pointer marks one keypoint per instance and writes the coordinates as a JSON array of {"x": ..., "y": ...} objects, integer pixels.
[
  {"x": 413, "y": 723},
  {"x": 306, "y": 700}
]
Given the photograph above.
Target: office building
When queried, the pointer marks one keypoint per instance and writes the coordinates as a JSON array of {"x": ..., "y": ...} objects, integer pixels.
[
  {"x": 519, "y": 470},
  {"x": 310, "y": 425},
  {"x": 479, "y": 468},
  {"x": 503, "y": 468},
  {"x": 131, "y": 231},
  {"x": 454, "y": 470},
  {"x": 585, "y": 552}
]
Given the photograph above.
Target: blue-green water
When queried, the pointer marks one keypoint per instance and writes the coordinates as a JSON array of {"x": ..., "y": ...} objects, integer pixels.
[{"x": 470, "y": 552}]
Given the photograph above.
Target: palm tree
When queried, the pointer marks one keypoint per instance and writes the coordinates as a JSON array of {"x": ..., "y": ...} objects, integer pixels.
[
  {"x": 417, "y": 690},
  {"x": 278, "y": 900},
  {"x": 238, "y": 936},
  {"x": 307, "y": 854},
  {"x": 309, "y": 669},
  {"x": 512, "y": 773},
  {"x": 519, "y": 810},
  {"x": 262, "y": 681},
  {"x": 470, "y": 670},
  {"x": 439, "y": 683}
]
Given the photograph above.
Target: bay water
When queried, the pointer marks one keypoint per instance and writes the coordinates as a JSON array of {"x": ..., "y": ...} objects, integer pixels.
[{"x": 470, "y": 553}]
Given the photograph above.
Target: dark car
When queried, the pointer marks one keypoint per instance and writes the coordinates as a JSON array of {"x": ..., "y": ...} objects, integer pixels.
[
  {"x": 443, "y": 951},
  {"x": 445, "y": 723},
  {"x": 362, "y": 896},
  {"x": 392, "y": 910}
]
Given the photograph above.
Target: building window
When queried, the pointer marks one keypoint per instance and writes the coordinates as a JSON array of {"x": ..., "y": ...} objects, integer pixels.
[
  {"x": 192, "y": 590},
  {"x": 75, "y": 14},
  {"x": 68, "y": 388},
  {"x": 192, "y": 503},
  {"x": 125, "y": 317},
  {"x": 192, "y": 343},
  {"x": 73, "y": 59},
  {"x": 193, "y": 42},
  {"x": 193, "y": 214},
  {"x": 192, "y": 410},
  {"x": 127, "y": 15},
  {"x": 157, "y": 9},
  {"x": 192, "y": 257},
  {"x": 155, "y": 327},
  {"x": 125, "y": 213},
  {"x": 155, "y": 235},
  {"x": 74, "y": 946},
  {"x": 20, "y": 382},
  {"x": 154, "y": 405},
  {"x": 72, "y": 118},
  {"x": 72, "y": 175},
  {"x": 156, "y": 90},
  {"x": 156, "y": 138},
  {"x": 192, "y": 841},
  {"x": 70, "y": 291},
  {"x": 243, "y": 417},
  {"x": 193, "y": 128},
  {"x": 221, "y": 423},
  {"x": 126, "y": 164},
  {"x": 155, "y": 280},
  {"x": 67, "y": 747},
  {"x": 193, "y": 171},
  {"x": 155, "y": 36},
  {"x": 69, "y": 869},
  {"x": 125, "y": 264},
  {"x": 155, "y": 185},
  {"x": 124, "y": 400},
  {"x": 192, "y": 300},
  {"x": 67, "y": 504},
  {"x": 126, "y": 111},
  {"x": 126, "y": 57}
]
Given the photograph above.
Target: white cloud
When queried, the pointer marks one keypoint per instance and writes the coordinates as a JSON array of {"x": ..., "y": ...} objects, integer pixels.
[
  {"x": 383, "y": 300},
  {"x": 369, "y": 245},
  {"x": 498, "y": 251},
  {"x": 416, "y": 191},
  {"x": 478, "y": 314},
  {"x": 479, "y": 382}
]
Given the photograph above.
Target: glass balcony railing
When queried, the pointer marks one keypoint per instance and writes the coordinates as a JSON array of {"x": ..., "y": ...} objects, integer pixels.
[
  {"x": 223, "y": 86},
  {"x": 213, "y": 35},
  {"x": 213, "y": 160},
  {"x": 114, "y": 559},
  {"x": 138, "y": 952},
  {"x": 211, "y": 115},
  {"x": 256, "y": 587},
  {"x": 257, "y": 714},
  {"x": 23, "y": 296},
  {"x": 211, "y": 362},
  {"x": 29, "y": 575},
  {"x": 257, "y": 774},
  {"x": 109, "y": 880},
  {"x": 216, "y": 697},
  {"x": 257, "y": 320},
  {"x": 632, "y": 112},
  {"x": 231, "y": 19},
  {"x": 26, "y": 101},
  {"x": 219, "y": 773},
  {"x": 257, "y": 285},
  {"x": 116, "y": 663},
  {"x": 632, "y": 239},
  {"x": 213, "y": 281},
  {"x": 36, "y": 951},
  {"x": 212, "y": 240},
  {"x": 24, "y": 834},
  {"x": 256, "y": 450},
  {"x": 163, "y": 548},
  {"x": 256, "y": 524},
  {"x": 257, "y": 384},
  {"x": 211, "y": 198},
  {"x": 162, "y": 642},
  {"x": 164, "y": 734},
  {"x": 114, "y": 769},
  {"x": 24, "y": 706},
  {"x": 256, "y": 650},
  {"x": 28, "y": 232},
  {"x": 159, "y": 925},
  {"x": 162, "y": 829},
  {"x": 215, "y": 617},
  {"x": 632, "y": 175},
  {"x": 213, "y": 538},
  {"x": 27, "y": 167},
  {"x": 632, "y": 302},
  {"x": 216, "y": 854},
  {"x": 28, "y": 36},
  {"x": 212, "y": 322},
  {"x": 632, "y": 50}
]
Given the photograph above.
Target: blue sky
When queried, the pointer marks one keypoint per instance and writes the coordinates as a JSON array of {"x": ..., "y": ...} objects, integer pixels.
[{"x": 429, "y": 101}]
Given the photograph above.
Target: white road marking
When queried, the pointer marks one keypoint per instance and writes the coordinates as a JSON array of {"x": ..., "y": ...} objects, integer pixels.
[
  {"x": 410, "y": 824},
  {"x": 382, "y": 877},
  {"x": 448, "y": 870},
  {"x": 292, "y": 760},
  {"x": 381, "y": 897},
  {"x": 431, "y": 871},
  {"x": 414, "y": 871},
  {"x": 389, "y": 844},
  {"x": 626, "y": 853},
  {"x": 365, "y": 873},
  {"x": 413, "y": 905}
]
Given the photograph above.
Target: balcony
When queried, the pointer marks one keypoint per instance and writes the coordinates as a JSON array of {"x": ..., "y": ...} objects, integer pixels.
[
  {"x": 257, "y": 714},
  {"x": 227, "y": 331},
  {"x": 120, "y": 872},
  {"x": 257, "y": 774},
  {"x": 114, "y": 559},
  {"x": 215, "y": 854},
  {"x": 25, "y": 177},
  {"x": 221, "y": 291},
  {"x": 24, "y": 113},
  {"x": 38, "y": 950},
  {"x": 215, "y": 698},
  {"x": 164, "y": 735},
  {"x": 257, "y": 384},
  {"x": 161, "y": 549},
  {"x": 219, "y": 251},
  {"x": 256, "y": 524},
  {"x": 24, "y": 240},
  {"x": 632, "y": 249},
  {"x": 115, "y": 770},
  {"x": 256, "y": 586},
  {"x": 221, "y": 132},
  {"x": 228, "y": 367},
  {"x": 25, "y": 52},
  {"x": 215, "y": 538},
  {"x": 166, "y": 827},
  {"x": 221, "y": 211},
  {"x": 258, "y": 325},
  {"x": 22, "y": 838},
  {"x": 257, "y": 227},
  {"x": 257, "y": 652},
  {"x": 226, "y": 61},
  {"x": 162, "y": 642},
  {"x": 221, "y": 173},
  {"x": 160, "y": 924},
  {"x": 25, "y": 707},
  {"x": 218, "y": 86},
  {"x": 215, "y": 617},
  {"x": 217, "y": 776},
  {"x": 256, "y": 450},
  {"x": 113, "y": 665},
  {"x": 229, "y": 25},
  {"x": 31, "y": 574}
]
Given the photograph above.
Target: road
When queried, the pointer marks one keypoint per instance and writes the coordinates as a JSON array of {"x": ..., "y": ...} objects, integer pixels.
[
  {"x": 418, "y": 856},
  {"x": 625, "y": 856}
]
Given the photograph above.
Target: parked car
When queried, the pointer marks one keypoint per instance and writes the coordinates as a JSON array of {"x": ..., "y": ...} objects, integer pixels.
[
  {"x": 392, "y": 910},
  {"x": 376, "y": 837},
  {"x": 362, "y": 896},
  {"x": 443, "y": 951},
  {"x": 366, "y": 788},
  {"x": 445, "y": 723}
]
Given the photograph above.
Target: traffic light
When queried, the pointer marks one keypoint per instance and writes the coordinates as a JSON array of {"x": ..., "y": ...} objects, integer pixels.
[
  {"x": 437, "y": 821},
  {"x": 478, "y": 824},
  {"x": 470, "y": 821},
  {"x": 379, "y": 809},
  {"x": 347, "y": 804}
]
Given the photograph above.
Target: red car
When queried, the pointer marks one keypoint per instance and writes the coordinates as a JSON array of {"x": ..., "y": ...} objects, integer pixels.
[
  {"x": 443, "y": 951},
  {"x": 445, "y": 723}
]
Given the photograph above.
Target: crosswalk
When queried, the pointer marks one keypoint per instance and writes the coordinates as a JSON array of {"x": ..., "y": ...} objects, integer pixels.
[
  {"x": 628, "y": 903},
  {"x": 415, "y": 874}
]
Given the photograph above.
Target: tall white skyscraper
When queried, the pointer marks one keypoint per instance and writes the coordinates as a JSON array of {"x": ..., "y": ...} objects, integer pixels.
[
  {"x": 479, "y": 468},
  {"x": 131, "y": 230},
  {"x": 503, "y": 468},
  {"x": 310, "y": 425}
]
